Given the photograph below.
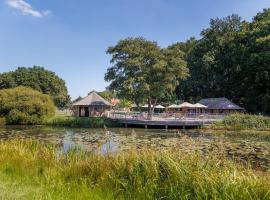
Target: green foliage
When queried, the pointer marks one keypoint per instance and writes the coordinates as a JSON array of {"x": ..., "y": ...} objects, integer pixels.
[
  {"x": 137, "y": 174},
  {"x": 23, "y": 105},
  {"x": 38, "y": 79},
  {"x": 89, "y": 122},
  {"x": 244, "y": 121},
  {"x": 2, "y": 121},
  {"x": 231, "y": 59},
  {"x": 143, "y": 72},
  {"x": 77, "y": 99},
  {"x": 107, "y": 95}
]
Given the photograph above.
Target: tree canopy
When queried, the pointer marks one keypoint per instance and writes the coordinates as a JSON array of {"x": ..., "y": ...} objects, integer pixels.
[
  {"x": 39, "y": 79},
  {"x": 232, "y": 59},
  {"x": 144, "y": 72},
  {"x": 23, "y": 105}
]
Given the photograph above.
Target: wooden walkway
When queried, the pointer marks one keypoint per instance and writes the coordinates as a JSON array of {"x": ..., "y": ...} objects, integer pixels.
[{"x": 185, "y": 122}]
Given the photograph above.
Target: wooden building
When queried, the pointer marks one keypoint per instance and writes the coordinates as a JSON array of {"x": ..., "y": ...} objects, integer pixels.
[
  {"x": 90, "y": 106},
  {"x": 220, "y": 106}
]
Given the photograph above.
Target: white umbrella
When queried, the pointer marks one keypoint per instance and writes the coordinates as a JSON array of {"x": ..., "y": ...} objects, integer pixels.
[
  {"x": 173, "y": 106},
  {"x": 160, "y": 107},
  {"x": 146, "y": 106},
  {"x": 186, "y": 105},
  {"x": 198, "y": 105}
]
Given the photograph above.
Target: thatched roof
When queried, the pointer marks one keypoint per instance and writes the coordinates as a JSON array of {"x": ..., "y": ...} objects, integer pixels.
[
  {"x": 220, "y": 103},
  {"x": 93, "y": 99}
]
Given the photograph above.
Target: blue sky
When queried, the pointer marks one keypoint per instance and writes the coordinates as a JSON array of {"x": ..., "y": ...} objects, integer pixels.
[{"x": 70, "y": 37}]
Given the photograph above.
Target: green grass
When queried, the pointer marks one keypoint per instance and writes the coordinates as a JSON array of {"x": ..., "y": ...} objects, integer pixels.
[
  {"x": 30, "y": 170},
  {"x": 86, "y": 122},
  {"x": 2, "y": 121},
  {"x": 243, "y": 122}
]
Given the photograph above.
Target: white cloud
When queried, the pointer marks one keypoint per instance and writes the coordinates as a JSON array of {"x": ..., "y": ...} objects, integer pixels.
[{"x": 26, "y": 9}]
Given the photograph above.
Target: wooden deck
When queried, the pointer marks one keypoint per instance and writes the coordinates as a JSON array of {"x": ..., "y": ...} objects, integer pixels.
[{"x": 184, "y": 122}]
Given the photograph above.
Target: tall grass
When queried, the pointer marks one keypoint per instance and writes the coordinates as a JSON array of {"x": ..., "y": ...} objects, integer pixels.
[
  {"x": 244, "y": 121},
  {"x": 34, "y": 171},
  {"x": 2, "y": 121},
  {"x": 87, "y": 122}
]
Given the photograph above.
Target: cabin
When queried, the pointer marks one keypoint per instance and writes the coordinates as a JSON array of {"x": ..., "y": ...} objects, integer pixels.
[
  {"x": 93, "y": 105},
  {"x": 220, "y": 106}
]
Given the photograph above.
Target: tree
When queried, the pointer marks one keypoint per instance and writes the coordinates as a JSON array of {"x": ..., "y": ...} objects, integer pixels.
[
  {"x": 108, "y": 95},
  {"x": 144, "y": 72},
  {"x": 232, "y": 60},
  {"x": 23, "y": 105},
  {"x": 77, "y": 99},
  {"x": 39, "y": 79}
]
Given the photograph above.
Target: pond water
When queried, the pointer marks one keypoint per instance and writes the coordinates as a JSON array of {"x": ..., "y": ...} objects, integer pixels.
[{"x": 251, "y": 146}]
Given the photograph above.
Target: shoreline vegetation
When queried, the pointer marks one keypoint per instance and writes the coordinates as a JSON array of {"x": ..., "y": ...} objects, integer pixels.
[
  {"x": 134, "y": 174},
  {"x": 240, "y": 121},
  {"x": 84, "y": 122}
]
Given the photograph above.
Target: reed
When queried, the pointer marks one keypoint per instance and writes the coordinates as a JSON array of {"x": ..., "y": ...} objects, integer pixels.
[
  {"x": 86, "y": 122},
  {"x": 30, "y": 170},
  {"x": 2, "y": 121},
  {"x": 243, "y": 121}
]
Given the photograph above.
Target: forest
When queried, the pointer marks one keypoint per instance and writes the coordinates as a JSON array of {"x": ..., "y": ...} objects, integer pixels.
[{"x": 231, "y": 59}]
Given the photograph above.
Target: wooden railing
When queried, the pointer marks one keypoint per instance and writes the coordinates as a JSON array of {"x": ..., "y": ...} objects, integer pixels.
[{"x": 165, "y": 116}]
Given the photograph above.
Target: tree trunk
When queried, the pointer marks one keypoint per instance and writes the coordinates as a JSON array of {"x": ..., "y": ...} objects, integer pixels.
[{"x": 151, "y": 108}]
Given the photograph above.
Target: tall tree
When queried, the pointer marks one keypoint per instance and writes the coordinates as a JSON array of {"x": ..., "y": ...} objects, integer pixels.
[
  {"x": 38, "y": 79},
  {"x": 144, "y": 72},
  {"x": 232, "y": 60}
]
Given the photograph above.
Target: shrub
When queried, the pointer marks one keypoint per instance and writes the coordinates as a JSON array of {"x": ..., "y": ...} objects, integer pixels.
[
  {"x": 87, "y": 122},
  {"x": 23, "y": 105},
  {"x": 245, "y": 121},
  {"x": 2, "y": 121}
]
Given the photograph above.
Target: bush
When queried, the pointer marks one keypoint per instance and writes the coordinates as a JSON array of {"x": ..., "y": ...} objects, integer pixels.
[
  {"x": 39, "y": 79},
  {"x": 23, "y": 105},
  {"x": 87, "y": 122},
  {"x": 245, "y": 121},
  {"x": 2, "y": 121}
]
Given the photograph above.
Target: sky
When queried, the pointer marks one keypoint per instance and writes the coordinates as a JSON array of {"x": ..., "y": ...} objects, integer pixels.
[{"x": 70, "y": 37}]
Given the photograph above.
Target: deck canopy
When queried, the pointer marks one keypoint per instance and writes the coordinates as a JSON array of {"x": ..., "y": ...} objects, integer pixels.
[
  {"x": 160, "y": 107},
  {"x": 198, "y": 105},
  {"x": 186, "y": 105},
  {"x": 173, "y": 106}
]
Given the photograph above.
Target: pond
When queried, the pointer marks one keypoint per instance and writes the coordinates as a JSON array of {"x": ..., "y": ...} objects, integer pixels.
[{"x": 248, "y": 146}]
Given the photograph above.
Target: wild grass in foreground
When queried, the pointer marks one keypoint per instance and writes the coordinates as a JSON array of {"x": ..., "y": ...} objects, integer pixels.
[
  {"x": 243, "y": 121},
  {"x": 2, "y": 121},
  {"x": 29, "y": 170},
  {"x": 86, "y": 122}
]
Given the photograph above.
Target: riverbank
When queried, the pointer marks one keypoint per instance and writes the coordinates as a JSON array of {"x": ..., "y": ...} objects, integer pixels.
[
  {"x": 142, "y": 174},
  {"x": 83, "y": 122},
  {"x": 242, "y": 122}
]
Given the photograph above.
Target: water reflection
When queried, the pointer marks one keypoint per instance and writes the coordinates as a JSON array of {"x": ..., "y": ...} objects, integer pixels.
[
  {"x": 247, "y": 146},
  {"x": 100, "y": 140}
]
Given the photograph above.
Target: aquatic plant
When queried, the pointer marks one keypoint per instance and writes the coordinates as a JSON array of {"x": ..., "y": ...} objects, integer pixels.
[
  {"x": 89, "y": 122},
  {"x": 244, "y": 121},
  {"x": 143, "y": 174}
]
